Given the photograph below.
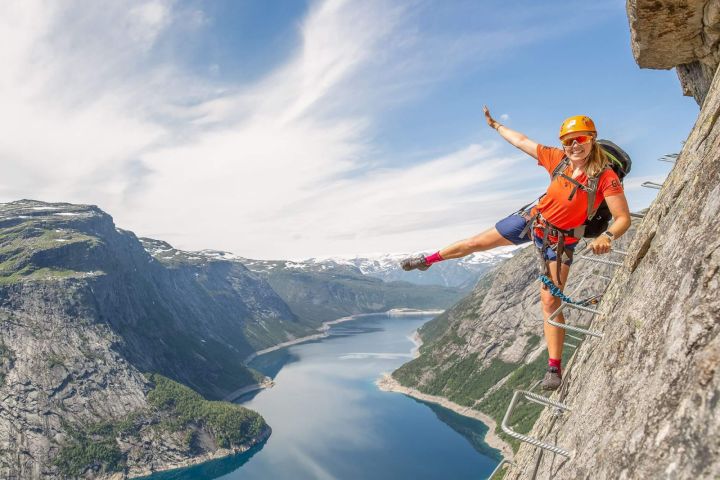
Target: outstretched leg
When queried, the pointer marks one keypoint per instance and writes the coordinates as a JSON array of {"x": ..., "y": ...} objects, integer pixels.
[{"x": 486, "y": 240}]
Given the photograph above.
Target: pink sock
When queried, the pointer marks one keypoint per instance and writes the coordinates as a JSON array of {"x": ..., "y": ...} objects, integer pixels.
[
  {"x": 434, "y": 258},
  {"x": 555, "y": 362}
]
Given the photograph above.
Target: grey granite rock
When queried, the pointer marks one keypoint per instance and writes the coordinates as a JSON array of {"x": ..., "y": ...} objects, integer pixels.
[
  {"x": 678, "y": 33},
  {"x": 645, "y": 399}
]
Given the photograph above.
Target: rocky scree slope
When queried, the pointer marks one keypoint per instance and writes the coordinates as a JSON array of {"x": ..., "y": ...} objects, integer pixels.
[{"x": 645, "y": 399}]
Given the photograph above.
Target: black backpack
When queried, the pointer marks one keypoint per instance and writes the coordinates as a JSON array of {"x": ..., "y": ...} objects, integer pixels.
[{"x": 621, "y": 164}]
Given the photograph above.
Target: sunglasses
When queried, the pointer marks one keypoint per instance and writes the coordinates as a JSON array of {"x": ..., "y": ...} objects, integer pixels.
[{"x": 580, "y": 139}]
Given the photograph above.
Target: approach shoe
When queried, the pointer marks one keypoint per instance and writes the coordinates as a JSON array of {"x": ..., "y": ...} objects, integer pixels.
[
  {"x": 552, "y": 379},
  {"x": 411, "y": 263}
]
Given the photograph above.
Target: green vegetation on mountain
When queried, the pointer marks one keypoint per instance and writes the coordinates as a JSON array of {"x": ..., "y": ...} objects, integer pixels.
[
  {"x": 230, "y": 424},
  {"x": 173, "y": 409},
  {"x": 95, "y": 447},
  {"x": 30, "y": 249}
]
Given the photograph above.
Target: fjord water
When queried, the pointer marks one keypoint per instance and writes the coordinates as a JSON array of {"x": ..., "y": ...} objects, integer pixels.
[{"x": 330, "y": 421}]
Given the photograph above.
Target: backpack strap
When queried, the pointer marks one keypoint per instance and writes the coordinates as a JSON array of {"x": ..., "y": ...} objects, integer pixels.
[
  {"x": 559, "y": 171},
  {"x": 560, "y": 167},
  {"x": 590, "y": 188}
]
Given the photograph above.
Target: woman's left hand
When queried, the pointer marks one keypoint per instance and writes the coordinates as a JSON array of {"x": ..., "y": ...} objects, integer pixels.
[{"x": 601, "y": 245}]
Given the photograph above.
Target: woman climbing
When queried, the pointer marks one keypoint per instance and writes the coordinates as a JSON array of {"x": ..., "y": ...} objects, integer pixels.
[{"x": 579, "y": 171}]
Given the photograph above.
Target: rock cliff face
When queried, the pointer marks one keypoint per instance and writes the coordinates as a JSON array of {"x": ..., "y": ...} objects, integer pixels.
[
  {"x": 678, "y": 33},
  {"x": 83, "y": 311},
  {"x": 645, "y": 399}
]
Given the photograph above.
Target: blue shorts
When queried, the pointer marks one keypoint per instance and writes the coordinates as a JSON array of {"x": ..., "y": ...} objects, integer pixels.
[{"x": 511, "y": 227}]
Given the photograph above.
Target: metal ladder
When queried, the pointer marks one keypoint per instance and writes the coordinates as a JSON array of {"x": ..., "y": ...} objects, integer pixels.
[{"x": 560, "y": 408}]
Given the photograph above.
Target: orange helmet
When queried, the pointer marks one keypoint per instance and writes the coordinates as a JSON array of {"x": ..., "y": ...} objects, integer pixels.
[{"x": 578, "y": 123}]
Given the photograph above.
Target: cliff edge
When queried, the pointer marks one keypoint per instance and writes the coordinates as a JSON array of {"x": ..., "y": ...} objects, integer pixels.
[{"x": 644, "y": 399}]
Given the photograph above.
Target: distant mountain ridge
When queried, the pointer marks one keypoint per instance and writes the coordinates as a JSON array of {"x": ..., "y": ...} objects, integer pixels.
[
  {"x": 461, "y": 273},
  {"x": 328, "y": 289}
]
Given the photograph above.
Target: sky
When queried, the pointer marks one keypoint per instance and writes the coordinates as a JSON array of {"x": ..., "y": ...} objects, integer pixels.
[{"x": 295, "y": 129}]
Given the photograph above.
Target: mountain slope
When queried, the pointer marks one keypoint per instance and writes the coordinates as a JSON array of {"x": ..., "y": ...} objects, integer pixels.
[
  {"x": 96, "y": 327},
  {"x": 322, "y": 291}
]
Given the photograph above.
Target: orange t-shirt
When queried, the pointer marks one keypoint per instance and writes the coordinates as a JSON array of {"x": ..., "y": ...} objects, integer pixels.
[{"x": 556, "y": 207}]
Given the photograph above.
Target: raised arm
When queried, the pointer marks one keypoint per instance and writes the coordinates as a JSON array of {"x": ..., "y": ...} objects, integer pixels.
[{"x": 516, "y": 139}]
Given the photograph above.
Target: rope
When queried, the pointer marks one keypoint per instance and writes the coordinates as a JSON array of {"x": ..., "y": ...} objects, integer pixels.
[{"x": 556, "y": 292}]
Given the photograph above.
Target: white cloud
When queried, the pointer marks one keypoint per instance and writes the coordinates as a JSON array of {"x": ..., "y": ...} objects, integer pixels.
[{"x": 283, "y": 167}]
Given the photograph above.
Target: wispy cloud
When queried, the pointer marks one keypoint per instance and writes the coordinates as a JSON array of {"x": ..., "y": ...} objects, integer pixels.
[{"x": 94, "y": 112}]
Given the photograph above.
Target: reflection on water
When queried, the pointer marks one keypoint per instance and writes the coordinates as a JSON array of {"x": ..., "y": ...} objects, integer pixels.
[
  {"x": 330, "y": 421},
  {"x": 213, "y": 469},
  {"x": 271, "y": 363},
  {"x": 473, "y": 430}
]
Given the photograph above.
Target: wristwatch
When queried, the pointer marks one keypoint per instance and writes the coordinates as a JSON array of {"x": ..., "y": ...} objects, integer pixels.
[{"x": 609, "y": 234}]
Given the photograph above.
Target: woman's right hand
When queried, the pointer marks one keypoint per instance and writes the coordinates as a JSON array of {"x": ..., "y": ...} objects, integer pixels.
[{"x": 490, "y": 121}]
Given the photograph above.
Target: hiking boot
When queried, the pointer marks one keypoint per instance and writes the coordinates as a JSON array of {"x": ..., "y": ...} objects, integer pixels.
[
  {"x": 411, "y": 263},
  {"x": 552, "y": 379}
]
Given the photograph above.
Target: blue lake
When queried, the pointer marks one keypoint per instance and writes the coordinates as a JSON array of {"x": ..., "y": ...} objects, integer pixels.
[{"x": 330, "y": 421}]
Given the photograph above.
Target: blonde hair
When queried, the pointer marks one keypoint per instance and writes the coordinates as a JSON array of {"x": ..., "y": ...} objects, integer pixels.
[{"x": 597, "y": 161}]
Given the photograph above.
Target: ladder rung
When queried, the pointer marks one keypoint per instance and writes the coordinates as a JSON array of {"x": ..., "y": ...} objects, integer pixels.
[
  {"x": 584, "y": 309},
  {"x": 600, "y": 260},
  {"x": 527, "y": 439},
  {"x": 575, "y": 329},
  {"x": 499, "y": 466},
  {"x": 670, "y": 158},
  {"x": 564, "y": 326},
  {"x": 604, "y": 277},
  {"x": 654, "y": 185}
]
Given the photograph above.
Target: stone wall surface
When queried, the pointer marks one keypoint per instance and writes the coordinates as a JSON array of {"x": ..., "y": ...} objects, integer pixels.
[
  {"x": 645, "y": 398},
  {"x": 678, "y": 33}
]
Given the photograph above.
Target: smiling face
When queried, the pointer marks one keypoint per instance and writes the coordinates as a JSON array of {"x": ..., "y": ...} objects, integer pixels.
[{"x": 577, "y": 145}]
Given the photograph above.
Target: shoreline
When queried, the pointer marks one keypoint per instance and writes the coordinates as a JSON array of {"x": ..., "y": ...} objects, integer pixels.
[
  {"x": 325, "y": 327},
  {"x": 267, "y": 383},
  {"x": 387, "y": 383},
  {"x": 218, "y": 454},
  {"x": 323, "y": 333}
]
